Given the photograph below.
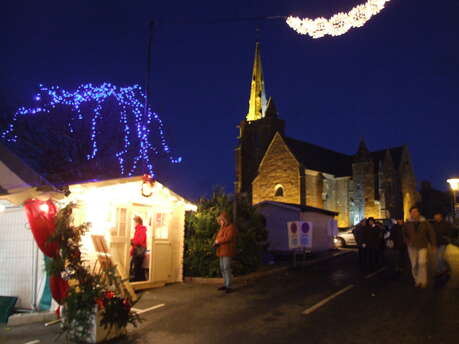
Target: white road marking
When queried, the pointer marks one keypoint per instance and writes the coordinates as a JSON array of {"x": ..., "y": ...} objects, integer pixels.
[
  {"x": 53, "y": 322},
  {"x": 140, "y": 311},
  {"x": 328, "y": 299},
  {"x": 374, "y": 273},
  {"x": 36, "y": 341}
]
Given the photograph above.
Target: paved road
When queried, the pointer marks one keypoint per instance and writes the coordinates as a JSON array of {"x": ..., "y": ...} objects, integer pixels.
[{"x": 380, "y": 309}]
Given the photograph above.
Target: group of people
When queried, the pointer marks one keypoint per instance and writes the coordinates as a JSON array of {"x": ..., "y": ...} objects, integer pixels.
[
  {"x": 369, "y": 236},
  {"x": 411, "y": 238}
]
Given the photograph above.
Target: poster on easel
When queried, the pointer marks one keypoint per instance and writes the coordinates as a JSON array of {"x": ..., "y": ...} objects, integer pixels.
[{"x": 105, "y": 261}]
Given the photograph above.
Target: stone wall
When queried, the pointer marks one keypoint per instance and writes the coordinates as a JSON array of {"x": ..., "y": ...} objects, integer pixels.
[
  {"x": 364, "y": 195},
  {"x": 342, "y": 202},
  {"x": 314, "y": 187},
  {"x": 254, "y": 139},
  {"x": 329, "y": 193},
  {"x": 278, "y": 167},
  {"x": 407, "y": 184}
]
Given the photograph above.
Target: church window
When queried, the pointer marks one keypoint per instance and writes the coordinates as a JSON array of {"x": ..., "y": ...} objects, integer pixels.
[{"x": 279, "y": 191}]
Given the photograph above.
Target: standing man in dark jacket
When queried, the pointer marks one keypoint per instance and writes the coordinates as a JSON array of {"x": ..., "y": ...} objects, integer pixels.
[
  {"x": 418, "y": 234},
  {"x": 443, "y": 231},
  {"x": 359, "y": 235},
  {"x": 398, "y": 244},
  {"x": 373, "y": 238}
]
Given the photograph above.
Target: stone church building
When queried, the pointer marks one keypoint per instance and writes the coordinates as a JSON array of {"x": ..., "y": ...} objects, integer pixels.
[{"x": 272, "y": 166}]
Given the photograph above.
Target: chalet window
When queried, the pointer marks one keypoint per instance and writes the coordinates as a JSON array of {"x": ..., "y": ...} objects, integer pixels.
[
  {"x": 279, "y": 191},
  {"x": 162, "y": 229}
]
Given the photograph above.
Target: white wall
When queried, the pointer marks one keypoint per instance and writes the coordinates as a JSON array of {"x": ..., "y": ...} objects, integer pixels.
[
  {"x": 276, "y": 224},
  {"x": 18, "y": 258},
  {"x": 322, "y": 238}
]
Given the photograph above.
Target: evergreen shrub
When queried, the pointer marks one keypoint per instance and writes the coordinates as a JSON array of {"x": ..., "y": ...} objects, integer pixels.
[{"x": 202, "y": 227}]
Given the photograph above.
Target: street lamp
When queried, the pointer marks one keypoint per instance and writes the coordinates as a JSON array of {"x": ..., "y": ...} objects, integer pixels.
[{"x": 454, "y": 184}]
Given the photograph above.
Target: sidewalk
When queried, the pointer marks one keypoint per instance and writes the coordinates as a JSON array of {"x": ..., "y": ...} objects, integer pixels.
[{"x": 268, "y": 270}]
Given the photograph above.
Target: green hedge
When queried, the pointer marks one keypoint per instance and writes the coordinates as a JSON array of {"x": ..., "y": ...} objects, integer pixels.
[{"x": 201, "y": 229}]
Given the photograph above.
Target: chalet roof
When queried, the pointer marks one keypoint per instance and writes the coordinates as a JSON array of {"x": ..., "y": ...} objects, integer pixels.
[
  {"x": 15, "y": 173},
  {"x": 320, "y": 159},
  {"x": 302, "y": 208}
]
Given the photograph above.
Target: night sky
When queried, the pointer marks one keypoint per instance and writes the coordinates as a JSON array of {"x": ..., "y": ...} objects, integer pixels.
[{"x": 394, "y": 81}]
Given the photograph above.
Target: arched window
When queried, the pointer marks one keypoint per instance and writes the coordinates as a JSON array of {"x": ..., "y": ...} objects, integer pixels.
[{"x": 279, "y": 191}]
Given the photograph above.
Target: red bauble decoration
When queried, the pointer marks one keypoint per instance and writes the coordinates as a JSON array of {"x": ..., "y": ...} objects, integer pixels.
[
  {"x": 147, "y": 185},
  {"x": 109, "y": 294},
  {"x": 41, "y": 216}
]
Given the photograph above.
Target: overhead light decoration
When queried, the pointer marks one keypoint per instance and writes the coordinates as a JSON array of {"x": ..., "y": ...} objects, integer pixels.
[
  {"x": 147, "y": 185},
  {"x": 87, "y": 104},
  {"x": 338, "y": 24}
]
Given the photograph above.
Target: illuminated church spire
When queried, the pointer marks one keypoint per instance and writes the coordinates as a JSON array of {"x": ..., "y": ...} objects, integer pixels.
[{"x": 257, "y": 102}]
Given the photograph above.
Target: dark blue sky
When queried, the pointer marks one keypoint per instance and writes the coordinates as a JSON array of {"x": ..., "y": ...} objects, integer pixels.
[{"x": 394, "y": 81}]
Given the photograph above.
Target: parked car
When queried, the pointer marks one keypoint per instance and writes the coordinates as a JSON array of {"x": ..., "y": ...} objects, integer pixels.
[{"x": 345, "y": 238}]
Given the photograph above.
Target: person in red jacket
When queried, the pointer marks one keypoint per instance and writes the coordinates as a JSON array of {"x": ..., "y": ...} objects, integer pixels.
[
  {"x": 138, "y": 248},
  {"x": 225, "y": 242}
]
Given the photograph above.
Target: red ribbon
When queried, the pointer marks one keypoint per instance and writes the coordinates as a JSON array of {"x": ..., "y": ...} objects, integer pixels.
[{"x": 41, "y": 216}]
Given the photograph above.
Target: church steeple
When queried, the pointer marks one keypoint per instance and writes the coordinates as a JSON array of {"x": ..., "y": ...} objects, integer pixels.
[
  {"x": 257, "y": 102},
  {"x": 363, "y": 154}
]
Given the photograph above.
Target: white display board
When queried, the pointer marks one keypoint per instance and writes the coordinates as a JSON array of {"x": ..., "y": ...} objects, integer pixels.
[{"x": 299, "y": 234}]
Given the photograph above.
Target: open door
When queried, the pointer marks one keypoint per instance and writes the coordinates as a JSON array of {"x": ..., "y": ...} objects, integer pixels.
[
  {"x": 119, "y": 240},
  {"x": 145, "y": 213}
]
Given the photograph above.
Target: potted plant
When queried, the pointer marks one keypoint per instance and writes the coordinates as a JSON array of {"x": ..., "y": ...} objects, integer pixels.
[{"x": 95, "y": 304}]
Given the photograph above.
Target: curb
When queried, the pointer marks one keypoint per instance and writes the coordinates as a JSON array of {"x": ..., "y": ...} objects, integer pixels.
[
  {"x": 30, "y": 318},
  {"x": 261, "y": 274}
]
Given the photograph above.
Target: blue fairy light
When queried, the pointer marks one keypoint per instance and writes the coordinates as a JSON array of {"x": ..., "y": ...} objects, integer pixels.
[{"x": 134, "y": 120}]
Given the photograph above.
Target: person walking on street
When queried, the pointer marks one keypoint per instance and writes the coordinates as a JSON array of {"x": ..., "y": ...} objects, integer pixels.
[
  {"x": 359, "y": 236},
  {"x": 225, "y": 242},
  {"x": 418, "y": 234},
  {"x": 443, "y": 231}
]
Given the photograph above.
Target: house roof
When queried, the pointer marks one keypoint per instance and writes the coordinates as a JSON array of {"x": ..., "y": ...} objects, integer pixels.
[
  {"x": 320, "y": 159},
  {"x": 302, "y": 208}
]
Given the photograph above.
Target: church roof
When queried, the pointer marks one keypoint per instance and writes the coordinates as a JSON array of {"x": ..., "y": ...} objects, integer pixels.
[
  {"x": 318, "y": 158},
  {"x": 395, "y": 152}
]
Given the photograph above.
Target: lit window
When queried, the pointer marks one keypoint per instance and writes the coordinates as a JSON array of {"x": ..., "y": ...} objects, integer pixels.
[
  {"x": 279, "y": 191},
  {"x": 162, "y": 228}
]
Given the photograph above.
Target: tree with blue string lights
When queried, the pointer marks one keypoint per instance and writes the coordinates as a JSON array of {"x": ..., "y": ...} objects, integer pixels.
[{"x": 90, "y": 132}]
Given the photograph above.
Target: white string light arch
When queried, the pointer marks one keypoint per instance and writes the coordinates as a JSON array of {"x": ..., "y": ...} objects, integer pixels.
[{"x": 338, "y": 24}]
